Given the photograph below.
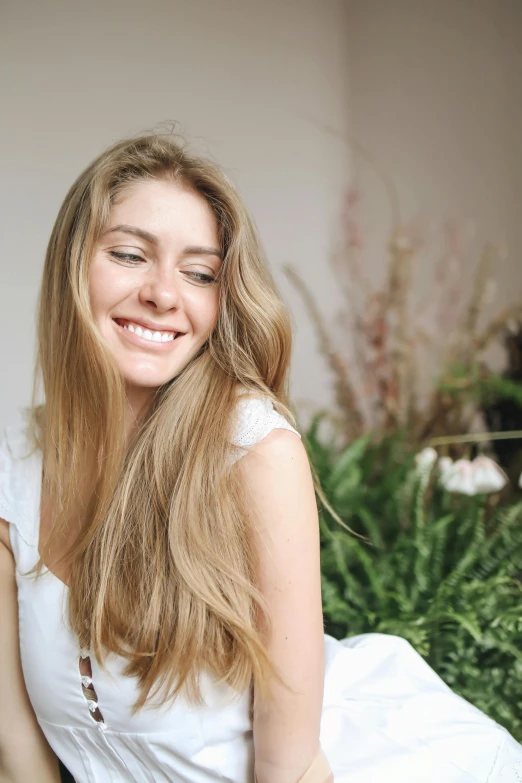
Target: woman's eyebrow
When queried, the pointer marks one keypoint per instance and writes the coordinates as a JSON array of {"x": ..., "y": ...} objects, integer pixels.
[{"x": 152, "y": 239}]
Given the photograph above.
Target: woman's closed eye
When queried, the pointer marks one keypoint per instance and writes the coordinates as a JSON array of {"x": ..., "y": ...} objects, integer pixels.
[
  {"x": 131, "y": 258},
  {"x": 202, "y": 277}
]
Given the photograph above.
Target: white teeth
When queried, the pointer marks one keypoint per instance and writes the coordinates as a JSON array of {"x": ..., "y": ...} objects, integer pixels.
[{"x": 147, "y": 334}]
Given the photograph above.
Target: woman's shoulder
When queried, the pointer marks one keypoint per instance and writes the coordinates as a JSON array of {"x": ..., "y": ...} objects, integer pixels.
[
  {"x": 19, "y": 474},
  {"x": 255, "y": 417}
]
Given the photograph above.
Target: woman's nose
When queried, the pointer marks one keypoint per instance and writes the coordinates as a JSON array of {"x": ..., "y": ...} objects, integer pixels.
[{"x": 159, "y": 289}]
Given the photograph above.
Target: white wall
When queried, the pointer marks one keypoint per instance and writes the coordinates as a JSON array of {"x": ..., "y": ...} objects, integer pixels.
[
  {"x": 431, "y": 87},
  {"x": 240, "y": 76},
  {"x": 436, "y": 96}
]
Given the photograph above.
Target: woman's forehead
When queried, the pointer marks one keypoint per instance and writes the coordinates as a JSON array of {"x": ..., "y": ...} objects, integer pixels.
[{"x": 156, "y": 209}]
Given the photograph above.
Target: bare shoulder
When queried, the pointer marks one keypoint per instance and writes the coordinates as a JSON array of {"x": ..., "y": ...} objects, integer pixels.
[
  {"x": 279, "y": 482},
  {"x": 4, "y": 534}
]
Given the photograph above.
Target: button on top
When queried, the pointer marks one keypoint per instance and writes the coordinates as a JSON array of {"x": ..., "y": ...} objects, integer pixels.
[{"x": 88, "y": 689}]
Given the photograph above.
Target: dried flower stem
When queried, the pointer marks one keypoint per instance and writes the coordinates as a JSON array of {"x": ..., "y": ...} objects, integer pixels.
[
  {"x": 384, "y": 386},
  {"x": 498, "y": 325},
  {"x": 399, "y": 284},
  {"x": 477, "y": 437},
  {"x": 344, "y": 392},
  {"x": 476, "y": 303}
]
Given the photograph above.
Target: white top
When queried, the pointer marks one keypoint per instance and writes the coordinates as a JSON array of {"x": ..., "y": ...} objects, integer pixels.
[{"x": 387, "y": 717}]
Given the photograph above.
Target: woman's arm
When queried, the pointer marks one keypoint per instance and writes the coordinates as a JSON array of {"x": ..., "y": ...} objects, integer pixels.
[
  {"x": 284, "y": 516},
  {"x": 24, "y": 753}
]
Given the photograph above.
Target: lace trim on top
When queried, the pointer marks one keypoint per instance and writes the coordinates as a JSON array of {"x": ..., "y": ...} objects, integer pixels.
[{"x": 255, "y": 418}]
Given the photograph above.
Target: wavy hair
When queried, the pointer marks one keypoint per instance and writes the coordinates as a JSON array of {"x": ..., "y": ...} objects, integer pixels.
[{"x": 162, "y": 570}]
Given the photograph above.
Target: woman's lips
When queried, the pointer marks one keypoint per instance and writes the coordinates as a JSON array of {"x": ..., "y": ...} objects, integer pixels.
[{"x": 144, "y": 342}]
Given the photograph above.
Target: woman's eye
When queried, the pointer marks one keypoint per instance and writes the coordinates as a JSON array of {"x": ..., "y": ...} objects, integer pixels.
[
  {"x": 202, "y": 278},
  {"x": 129, "y": 258}
]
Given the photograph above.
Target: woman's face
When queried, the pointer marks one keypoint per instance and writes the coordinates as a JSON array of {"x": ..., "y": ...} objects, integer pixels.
[{"x": 152, "y": 281}]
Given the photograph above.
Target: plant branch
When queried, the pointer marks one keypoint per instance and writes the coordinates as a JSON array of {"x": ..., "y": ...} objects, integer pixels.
[{"x": 477, "y": 437}]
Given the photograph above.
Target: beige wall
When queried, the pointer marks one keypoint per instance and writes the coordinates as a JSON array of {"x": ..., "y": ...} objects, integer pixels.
[
  {"x": 240, "y": 76},
  {"x": 436, "y": 96},
  {"x": 432, "y": 87}
]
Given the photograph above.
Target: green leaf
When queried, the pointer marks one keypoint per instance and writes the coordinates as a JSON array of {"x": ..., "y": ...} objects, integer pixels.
[
  {"x": 345, "y": 462},
  {"x": 443, "y": 571},
  {"x": 468, "y": 622}
]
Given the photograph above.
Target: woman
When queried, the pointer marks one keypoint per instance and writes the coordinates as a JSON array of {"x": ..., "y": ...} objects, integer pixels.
[{"x": 160, "y": 508}]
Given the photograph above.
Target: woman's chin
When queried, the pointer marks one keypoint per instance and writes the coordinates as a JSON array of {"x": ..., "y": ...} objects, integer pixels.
[
  {"x": 147, "y": 377},
  {"x": 145, "y": 386}
]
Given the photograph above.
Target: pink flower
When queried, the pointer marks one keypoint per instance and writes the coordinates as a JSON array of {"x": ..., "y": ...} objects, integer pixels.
[
  {"x": 479, "y": 477},
  {"x": 489, "y": 477},
  {"x": 459, "y": 478}
]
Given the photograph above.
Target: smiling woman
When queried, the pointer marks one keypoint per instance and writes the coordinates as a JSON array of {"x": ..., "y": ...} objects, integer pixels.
[
  {"x": 159, "y": 510},
  {"x": 153, "y": 277}
]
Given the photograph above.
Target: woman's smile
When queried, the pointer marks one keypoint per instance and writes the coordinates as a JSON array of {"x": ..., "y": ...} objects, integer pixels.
[
  {"x": 142, "y": 337},
  {"x": 153, "y": 288}
]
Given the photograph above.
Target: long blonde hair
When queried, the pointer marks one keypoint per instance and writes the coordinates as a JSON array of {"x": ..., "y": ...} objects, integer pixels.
[{"x": 163, "y": 571}]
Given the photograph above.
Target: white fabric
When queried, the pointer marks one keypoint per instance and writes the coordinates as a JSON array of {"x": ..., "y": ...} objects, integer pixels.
[
  {"x": 387, "y": 717},
  {"x": 255, "y": 418}
]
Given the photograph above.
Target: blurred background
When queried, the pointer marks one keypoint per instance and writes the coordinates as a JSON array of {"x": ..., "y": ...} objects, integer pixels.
[
  {"x": 377, "y": 145},
  {"x": 278, "y": 93}
]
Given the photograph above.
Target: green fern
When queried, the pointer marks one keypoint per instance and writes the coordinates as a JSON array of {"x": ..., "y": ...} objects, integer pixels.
[
  {"x": 443, "y": 571},
  {"x": 483, "y": 388}
]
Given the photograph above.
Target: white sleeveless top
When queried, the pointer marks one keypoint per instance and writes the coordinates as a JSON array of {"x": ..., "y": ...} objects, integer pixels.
[{"x": 387, "y": 717}]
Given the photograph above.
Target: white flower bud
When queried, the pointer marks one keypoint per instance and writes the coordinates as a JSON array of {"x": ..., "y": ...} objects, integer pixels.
[
  {"x": 459, "y": 478},
  {"x": 480, "y": 477},
  {"x": 445, "y": 464},
  {"x": 488, "y": 476},
  {"x": 426, "y": 458}
]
